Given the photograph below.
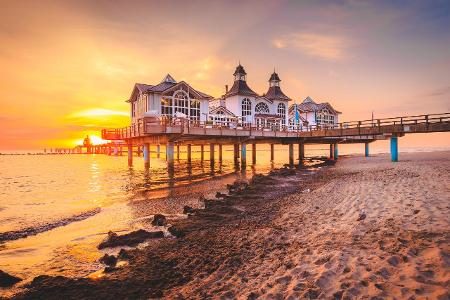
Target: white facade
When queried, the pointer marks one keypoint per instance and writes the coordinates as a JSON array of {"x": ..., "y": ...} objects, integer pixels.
[
  {"x": 313, "y": 114},
  {"x": 168, "y": 99},
  {"x": 240, "y": 106},
  {"x": 269, "y": 110}
]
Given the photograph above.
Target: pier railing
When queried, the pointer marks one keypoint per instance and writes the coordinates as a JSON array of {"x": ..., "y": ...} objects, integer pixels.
[{"x": 148, "y": 126}]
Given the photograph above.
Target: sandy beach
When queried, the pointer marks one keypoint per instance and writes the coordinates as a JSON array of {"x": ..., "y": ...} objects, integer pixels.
[{"x": 363, "y": 228}]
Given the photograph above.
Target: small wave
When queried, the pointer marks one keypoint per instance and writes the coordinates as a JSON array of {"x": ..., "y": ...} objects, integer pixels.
[{"x": 23, "y": 233}]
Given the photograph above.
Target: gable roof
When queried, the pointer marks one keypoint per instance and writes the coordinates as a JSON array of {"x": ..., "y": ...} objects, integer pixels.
[
  {"x": 308, "y": 105},
  {"x": 165, "y": 85},
  {"x": 215, "y": 110},
  {"x": 240, "y": 87}
]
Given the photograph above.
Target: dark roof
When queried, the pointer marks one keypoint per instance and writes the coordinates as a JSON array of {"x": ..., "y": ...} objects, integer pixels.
[
  {"x": 221, "y": 108},
  {"x": 275, "y": 93},
  {"x": 240, "y": 87},
  {"x": 274, "y": 77},
  {"x": 165, "y": 85},
  {"x": 308, "y": 105},
  {"x": 239, "y": 70}
]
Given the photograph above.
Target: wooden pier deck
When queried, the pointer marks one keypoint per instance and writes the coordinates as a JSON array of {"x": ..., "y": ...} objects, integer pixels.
[{"x": 185, "y": 132}]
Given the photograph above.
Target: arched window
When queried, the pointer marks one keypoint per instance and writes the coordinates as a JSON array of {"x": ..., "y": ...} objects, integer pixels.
[
  {"x": 281, "y": 111},
  {"x": 181, "y": 102},
  {"x": 219, "y": 112},
  {"x": 246, "y": 107},
  {"x": 261, "y": 108},
  {"x": 195, "y": 110}
]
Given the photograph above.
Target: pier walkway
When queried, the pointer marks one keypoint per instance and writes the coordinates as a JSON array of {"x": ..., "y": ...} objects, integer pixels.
[{"x": 172, "y": 132}]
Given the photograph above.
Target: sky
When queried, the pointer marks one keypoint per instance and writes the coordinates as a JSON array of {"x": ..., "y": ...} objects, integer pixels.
[{"x": 67, "y": 67}]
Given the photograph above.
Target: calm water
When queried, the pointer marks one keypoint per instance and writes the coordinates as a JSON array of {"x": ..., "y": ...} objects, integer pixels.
[{"x": 74, "y": 200}]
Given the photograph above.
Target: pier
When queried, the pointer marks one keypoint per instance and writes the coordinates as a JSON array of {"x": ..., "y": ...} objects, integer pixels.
[{"x": 176, "y": 132}]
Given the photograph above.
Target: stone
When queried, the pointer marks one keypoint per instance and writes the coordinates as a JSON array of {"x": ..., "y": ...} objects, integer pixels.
[
  {"x": 129, "y": 239},
  {"x": 7, "y": 280},
  {"x": 188, "y": 210},
  {"x": 159, "y": 220},
  {"x": 109, "y": 260},
  {"x": 176, "y": 232}
]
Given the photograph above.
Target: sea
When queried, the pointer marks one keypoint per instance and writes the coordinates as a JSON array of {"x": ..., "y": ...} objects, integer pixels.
[{"x": 55, "y": 209}]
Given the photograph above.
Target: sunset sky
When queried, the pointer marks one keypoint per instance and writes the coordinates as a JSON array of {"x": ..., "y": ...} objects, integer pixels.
[{"x": 67, "y": 67}]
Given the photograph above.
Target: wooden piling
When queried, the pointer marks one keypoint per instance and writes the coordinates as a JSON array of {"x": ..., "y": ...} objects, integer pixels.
[
  {"x": 170, "y": 155},
  {"x": 253, "y": 154},
  {"x": 291, "y": 155},
  {"x": 272, "y": 152},
  {"x": 243, "y": 155},
  {"x": 189, "y": 153},
  {"x": 146, "y": 155},
  {"x": 130, "y": 155},
  {"x": 366, "y": 150}
]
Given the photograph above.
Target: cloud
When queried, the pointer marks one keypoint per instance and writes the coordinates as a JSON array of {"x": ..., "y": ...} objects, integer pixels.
[
  {"x": 322, "y": 46},
  {"x": 439, "y": 92}
]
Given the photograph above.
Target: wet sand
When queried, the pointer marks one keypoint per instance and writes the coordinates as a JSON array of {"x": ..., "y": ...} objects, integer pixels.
[{"x": 363, "y": 228}]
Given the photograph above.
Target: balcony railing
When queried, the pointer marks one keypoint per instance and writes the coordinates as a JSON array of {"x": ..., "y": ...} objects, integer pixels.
[{"x": 153, "y": 126}]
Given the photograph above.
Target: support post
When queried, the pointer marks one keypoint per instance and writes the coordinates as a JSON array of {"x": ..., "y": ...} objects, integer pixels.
[
  {"x": 139, "y": 151},
  {"x": 211, "y": 155},
  {"x": 189, "y": 153},
  {"x": 366, "y": 150},
  {"x": 301, "y": 151},
  {"x": 170, "y": 156},
  {"x": 336, "y": 151},
  {"x": 220, "y": 153},
  {"x": 158, "y": 151},
  {"x": 253, "y": 154},
  {"x": 291, "y": 155},
  {"x": 178, "y": 151},
  {"x": 272, "y": 152},
  {"x": 236, "y": 154},
  {"x": 394, "y": 148},
  {"x": 130, "y": 155},
  {"x": 202, "y": 153},
  {"x": 243, "y": 155},
  {"x": 331, "y": 151},
  {"x": 147, "y": 155}
]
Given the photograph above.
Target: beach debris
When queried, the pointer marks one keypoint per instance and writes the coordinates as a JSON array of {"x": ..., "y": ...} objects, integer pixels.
[
  {"x": 237, "y": 187},
  {"x": 220, "y": 195},
  {"x": 110, "y": 269},
  {"x": 176, "y": 232},
  {"x": 109, "y": 260},
  {"x": 416, "y": 211},
  {"x": 129, "y": 239},
  {"x": 188, "y": 210},
  {"x": 123, "y": 254},
  {"x": 159, "y": 220},
  {"x": 361, "y": 216},
  {"x": 306, "y": 191},
  {"x": 7, "y": 280}
]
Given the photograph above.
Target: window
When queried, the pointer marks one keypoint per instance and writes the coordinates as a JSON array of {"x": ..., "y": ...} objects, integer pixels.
[
  {"x": 281, "y": 111},
  {"x": 181, "y": 102},
  {"x": 194, "y": 110},
  {"x": 262, "y": 108},
  {"x": 166, "y": 106},
  {"x": 246, "y": 107}
]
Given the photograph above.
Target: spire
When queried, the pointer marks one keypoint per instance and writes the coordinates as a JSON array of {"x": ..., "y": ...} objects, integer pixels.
[
  {"x": 274, "y": 79},
  {"x": 239, "y": 73}
]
